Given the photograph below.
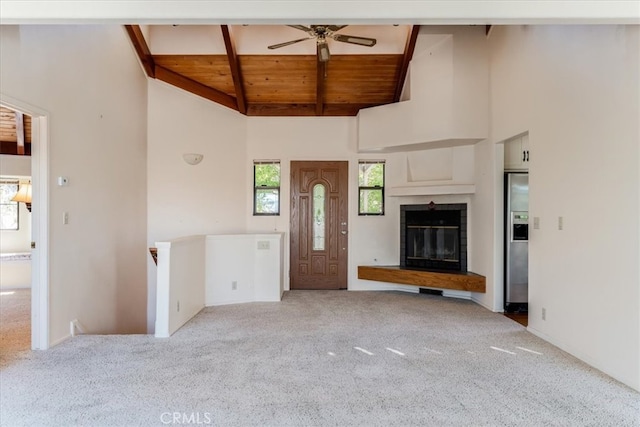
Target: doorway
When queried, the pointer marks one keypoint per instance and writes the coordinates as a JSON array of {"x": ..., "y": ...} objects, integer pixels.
[
  {"x": 516, "y": 228},
  {"x": 319, "y": 211},
  {"x": 39, "y": 219}
]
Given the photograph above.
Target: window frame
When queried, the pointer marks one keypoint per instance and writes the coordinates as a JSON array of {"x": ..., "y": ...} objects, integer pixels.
[
  {"x": 375, "y": 187},
  {"x": 16, "y": 182},
  {"x": 265, "y": 187}
]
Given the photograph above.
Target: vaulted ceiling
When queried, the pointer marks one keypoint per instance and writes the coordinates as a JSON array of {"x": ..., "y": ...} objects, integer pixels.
[{"x": 231, "y": 65}]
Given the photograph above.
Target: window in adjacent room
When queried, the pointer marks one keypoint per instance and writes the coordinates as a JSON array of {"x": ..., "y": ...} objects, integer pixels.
[
  {"x": 8, "y": 209},
  {"x": 371, "y": 187},
  {"x": 266, "y": 187}
]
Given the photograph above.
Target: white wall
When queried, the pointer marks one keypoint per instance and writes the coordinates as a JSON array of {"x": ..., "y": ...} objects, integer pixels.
[
  {"x": 576, "y": 90},
  {"x": 11, "y": 165},
  {"x": 253, "y": 262},
  {"x": 184, "y": 200},
  {"x": 486, "y": 222},
  {"x": 448, "y": 95},
  {"x": 195, "y": 271},
  {"x": 88, "y": 79},
  {"x": 15, "y": 274},
  {"x": 181, "y": 283}
]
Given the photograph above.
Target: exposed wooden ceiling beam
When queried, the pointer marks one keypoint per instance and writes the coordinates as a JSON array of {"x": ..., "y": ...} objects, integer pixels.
[
  {"x": 275, "y": 109},
  {"x": 140, "y": 45},
  {"x": 234, "y": 64},
  {"x": 9, "y": 147},
  {"x": 19, "y": 132},
  {"x": 409, "y": 48},
  {"x": 321, "y": 69},
  {"x": 194, "y": 87},
  {"x": 281, "y": 85}
]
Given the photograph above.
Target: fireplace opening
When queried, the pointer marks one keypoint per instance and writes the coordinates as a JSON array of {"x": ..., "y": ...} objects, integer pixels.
[{"x": 433, "y": 237}]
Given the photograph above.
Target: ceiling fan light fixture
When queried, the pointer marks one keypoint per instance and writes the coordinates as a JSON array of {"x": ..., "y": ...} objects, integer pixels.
[
  {"x": 323, "y": 52},
  {"x": 323, "y": 32}
]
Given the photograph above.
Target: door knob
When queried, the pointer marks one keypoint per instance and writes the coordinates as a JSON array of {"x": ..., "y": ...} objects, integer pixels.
[{"x": 343, "y": 232}]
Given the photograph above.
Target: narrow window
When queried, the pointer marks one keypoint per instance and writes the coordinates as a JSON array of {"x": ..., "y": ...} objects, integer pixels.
[
  {"x": 8, "y": 209},
  {"x": 371, "y": 187},
  {"x": 266, "y": 187},
  {"x": 318, "y": 217}
]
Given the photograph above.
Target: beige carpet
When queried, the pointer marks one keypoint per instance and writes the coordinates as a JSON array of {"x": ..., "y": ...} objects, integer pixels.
[
  {"x": 15, "y": 324},
  {"x": 318, "y": 358}
]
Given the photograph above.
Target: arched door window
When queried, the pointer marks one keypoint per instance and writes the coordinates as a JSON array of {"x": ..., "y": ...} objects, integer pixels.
[{"x": 319, "y": 217}]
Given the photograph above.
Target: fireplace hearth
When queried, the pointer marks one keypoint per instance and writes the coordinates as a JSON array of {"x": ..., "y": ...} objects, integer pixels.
[{"x": 433, "y": 237}]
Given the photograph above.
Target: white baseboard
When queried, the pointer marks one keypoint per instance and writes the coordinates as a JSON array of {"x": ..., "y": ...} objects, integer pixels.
[
  {"x": 580, "y": 355},
  {"x": 484, "y": 305},
  {"x": 385, "y": 287},
  {"x": 456, "y": 294},
  {"x": 60, "y": 341}
]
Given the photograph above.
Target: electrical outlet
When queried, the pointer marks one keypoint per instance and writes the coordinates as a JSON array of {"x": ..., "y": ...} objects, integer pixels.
[
  {"x": 178, "y": 305},
  {"x": 544, "y": 313},
  {"x": 263, "y": 244},
  {"x": 560, "y": 223},
  {"x": 234, "y": 285},
  {"x": 536, "y": 223},
  {"x": 65, "y": 218}
]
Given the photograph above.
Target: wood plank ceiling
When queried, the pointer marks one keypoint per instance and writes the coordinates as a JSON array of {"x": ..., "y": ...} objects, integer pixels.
[
  {"x": 282, "y": 85},
  {"x": 15, "y": 132}
]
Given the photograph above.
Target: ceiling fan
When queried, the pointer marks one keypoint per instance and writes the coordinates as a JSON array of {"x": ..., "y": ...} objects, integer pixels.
[{"x": 323, "y": 32}]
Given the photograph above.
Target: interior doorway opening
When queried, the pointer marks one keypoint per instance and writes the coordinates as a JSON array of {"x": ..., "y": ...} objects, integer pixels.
[{"x": 39, "y": 245}]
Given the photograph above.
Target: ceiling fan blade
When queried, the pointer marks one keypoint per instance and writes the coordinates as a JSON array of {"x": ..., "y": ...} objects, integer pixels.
[
  {"x": 279, "y": 45},
  {"x": 335, "y": 27},
  {"x": 362, "y": 41},
  {"x": 300, "y": 27}
]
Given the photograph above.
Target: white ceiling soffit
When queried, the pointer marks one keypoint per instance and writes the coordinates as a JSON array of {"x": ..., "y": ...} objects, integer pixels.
[
  {"x": 254, "y": 39},
  {"x": 319, "y": 11}
]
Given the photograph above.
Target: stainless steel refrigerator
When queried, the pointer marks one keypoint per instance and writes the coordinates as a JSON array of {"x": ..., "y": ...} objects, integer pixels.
[{"x": 516, "y": 274}]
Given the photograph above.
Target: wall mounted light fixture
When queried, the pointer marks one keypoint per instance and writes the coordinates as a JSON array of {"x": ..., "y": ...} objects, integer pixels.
[{"x": 192, "y": 158}]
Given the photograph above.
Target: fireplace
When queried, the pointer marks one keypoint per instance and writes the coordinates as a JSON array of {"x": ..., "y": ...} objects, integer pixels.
[{"x": 433, "y": 237}]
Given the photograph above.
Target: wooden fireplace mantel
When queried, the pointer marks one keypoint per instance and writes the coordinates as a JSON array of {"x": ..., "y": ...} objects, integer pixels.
[{"x": 462, "y": 281}]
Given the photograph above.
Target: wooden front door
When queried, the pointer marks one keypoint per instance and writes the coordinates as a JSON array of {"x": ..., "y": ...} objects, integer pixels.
[{"x": 319, "y": 225}]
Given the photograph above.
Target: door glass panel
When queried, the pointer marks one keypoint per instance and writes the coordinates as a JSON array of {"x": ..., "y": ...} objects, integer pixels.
[{"x": 319, "y": 218}]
